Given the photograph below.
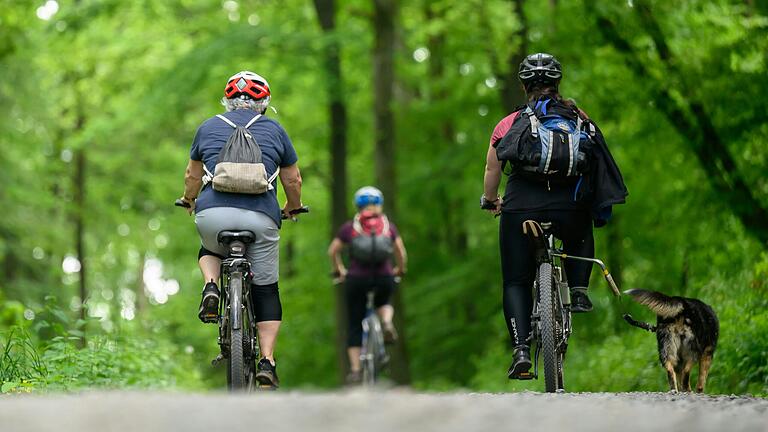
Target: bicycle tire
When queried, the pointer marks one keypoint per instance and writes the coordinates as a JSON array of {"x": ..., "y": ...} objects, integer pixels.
[
  {"x": 548, "y": 324},
  {"x": 368, "y": 353},
  {"x": 239, "y": 381}
]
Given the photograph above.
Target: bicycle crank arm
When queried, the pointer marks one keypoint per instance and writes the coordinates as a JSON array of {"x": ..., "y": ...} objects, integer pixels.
[{"x": 606, "y": 273}]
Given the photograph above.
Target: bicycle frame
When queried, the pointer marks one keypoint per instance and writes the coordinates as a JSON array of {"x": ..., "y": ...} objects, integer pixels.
[
  {"x": 373, "y": 337},
  {"x": 556, "y": 257}
]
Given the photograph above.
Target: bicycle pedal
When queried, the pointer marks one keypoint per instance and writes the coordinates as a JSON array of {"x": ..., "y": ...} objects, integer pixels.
[
  {"x": 217, "y": 360},
  {"x": 525, "y": 376},
  {"x": 209, "y": 319},
  {"x": 267, "y": 387}
]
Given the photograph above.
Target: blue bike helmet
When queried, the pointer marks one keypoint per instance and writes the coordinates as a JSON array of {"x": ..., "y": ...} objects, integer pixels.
[{"x": 368, "y": 195}]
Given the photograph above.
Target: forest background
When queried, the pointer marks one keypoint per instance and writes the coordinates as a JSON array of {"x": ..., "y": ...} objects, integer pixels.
[{"x": 100, "y": 99}]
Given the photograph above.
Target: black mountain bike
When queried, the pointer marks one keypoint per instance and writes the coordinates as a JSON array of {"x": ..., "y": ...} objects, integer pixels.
[
  {"x": 551, "y": 317},
  {"x": 551, "y": 314},
  {"x": 238, "y": 333}
]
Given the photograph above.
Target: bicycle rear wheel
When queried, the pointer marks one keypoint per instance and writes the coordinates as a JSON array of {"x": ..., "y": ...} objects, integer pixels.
[
  {"x": 549, "y": 308},
  {"x": 237, "y": 367}
]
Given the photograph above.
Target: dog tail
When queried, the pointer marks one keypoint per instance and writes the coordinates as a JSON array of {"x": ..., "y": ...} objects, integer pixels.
[{"x": 660, "y": 304}]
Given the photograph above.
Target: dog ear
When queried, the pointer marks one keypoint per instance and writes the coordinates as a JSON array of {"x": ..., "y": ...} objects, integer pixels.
[{"x": 660, "y": 304}]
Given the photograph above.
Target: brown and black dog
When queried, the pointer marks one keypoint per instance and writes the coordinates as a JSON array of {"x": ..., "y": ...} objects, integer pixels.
[{"x": 686, "y": 331}]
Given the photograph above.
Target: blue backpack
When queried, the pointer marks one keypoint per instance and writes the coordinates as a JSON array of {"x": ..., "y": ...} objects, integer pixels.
[{"x": 548, "y": 140}]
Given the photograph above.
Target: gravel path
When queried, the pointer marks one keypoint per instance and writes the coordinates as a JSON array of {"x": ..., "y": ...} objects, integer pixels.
[{"x": 392, "y": 411}]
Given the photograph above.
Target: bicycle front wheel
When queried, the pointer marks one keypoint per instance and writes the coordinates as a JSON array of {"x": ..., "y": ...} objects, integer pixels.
[
  {"x": 549, "y": 307},
  {"x": 372, "y": 344}
]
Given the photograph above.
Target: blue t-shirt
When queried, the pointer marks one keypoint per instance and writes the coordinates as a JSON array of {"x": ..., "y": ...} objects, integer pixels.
[{"x": 276, "y": 151}]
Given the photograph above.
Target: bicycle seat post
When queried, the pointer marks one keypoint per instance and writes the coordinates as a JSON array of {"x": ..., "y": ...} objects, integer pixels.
[{"x": 369, "y": 301}]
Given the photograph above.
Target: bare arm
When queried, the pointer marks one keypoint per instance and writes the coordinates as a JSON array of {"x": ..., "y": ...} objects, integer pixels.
[
  {"x": 401, "y": 256},
  {"x": 334, "y": 252},
  {"x": 193, "y": 181},
  {"x": 290, "y": 177},
  {"x": 492, "y": 177}
]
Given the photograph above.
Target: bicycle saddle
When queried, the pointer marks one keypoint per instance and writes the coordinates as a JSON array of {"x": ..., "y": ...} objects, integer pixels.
[
  {"x": 535, "y": 233},
  {"x": 227, "y": 237}
]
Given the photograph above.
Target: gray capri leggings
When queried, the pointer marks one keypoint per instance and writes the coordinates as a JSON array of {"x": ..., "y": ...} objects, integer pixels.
[{"x": 263, "y": 254}]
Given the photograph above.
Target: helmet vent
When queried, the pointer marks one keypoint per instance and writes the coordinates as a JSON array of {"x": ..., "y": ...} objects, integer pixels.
[{"x": 241, "y": 84}]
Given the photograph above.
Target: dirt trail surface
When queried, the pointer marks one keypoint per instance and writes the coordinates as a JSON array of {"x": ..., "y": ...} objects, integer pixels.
[{"x": 393, "y": 411}]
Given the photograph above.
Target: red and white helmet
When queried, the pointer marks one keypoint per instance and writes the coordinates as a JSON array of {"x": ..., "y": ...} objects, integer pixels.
[{"x": 246, "y": 84}]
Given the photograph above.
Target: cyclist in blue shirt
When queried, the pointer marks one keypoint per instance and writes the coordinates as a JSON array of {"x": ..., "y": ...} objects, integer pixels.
[{"x": 246, "y": 96}]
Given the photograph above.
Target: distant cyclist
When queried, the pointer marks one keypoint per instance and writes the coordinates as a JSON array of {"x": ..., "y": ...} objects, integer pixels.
[
  {"x": 246, "y": 97},
  {"x": 372, "y": 240},
  {"x": 546, "y": 183}
]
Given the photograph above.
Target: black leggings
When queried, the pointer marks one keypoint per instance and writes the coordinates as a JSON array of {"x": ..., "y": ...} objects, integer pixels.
[
  {"x": 266, "y": 302},
  {"x": 518, "y": 266},
  {"x": 356, "y": 290}
]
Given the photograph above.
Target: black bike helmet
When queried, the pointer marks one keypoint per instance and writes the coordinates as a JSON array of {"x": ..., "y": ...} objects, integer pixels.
[{"x": 540, "y": 68}]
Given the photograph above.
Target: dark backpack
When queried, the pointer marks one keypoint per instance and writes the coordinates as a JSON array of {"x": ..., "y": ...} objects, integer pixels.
[
  {"x": 371, "y": 246},
  {"x": 548, "y": 140},
  {"x": 239, "y": 168}
]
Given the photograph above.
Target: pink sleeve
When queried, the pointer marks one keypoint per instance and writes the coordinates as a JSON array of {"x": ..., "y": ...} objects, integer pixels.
[{"x": 503, "y": 126}]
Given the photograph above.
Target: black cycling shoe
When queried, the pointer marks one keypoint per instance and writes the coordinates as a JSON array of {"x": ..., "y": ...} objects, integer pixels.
[
  {"x": 266, "y": 374},
  {"x": 580, "y": 302},
  {"x": 209, "y": 305},
  {"x": 521, "y": 365}
]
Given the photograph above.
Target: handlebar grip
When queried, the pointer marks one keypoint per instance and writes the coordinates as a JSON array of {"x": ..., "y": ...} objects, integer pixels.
[
  {"x": 303, "y": 209},
  {"x": 181, "y": 203}
]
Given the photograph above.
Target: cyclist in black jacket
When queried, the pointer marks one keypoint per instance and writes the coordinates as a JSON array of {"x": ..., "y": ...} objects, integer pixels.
[{"x": 557, "y": 202}]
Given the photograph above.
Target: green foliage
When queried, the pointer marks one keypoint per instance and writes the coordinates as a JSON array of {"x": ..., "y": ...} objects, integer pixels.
[{"x": 60, "y": 362}]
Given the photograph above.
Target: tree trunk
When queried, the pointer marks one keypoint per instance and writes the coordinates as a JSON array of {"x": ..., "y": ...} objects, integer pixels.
[
  {"x": 79, "y": 222},
  {"x": 511, "y": 91},
  {"x": 456, "y": 237},
  {"x": 384, "y": 20},
  {"x": 141, "y": 297},
  {"x": 326, "y": 14},
  {"x": 691, "y": 120}
]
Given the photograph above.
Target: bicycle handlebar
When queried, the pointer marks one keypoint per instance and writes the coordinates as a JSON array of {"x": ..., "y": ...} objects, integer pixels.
[
  {"x": 181, "y": 203},
  {"x": 294, "y": 212}
]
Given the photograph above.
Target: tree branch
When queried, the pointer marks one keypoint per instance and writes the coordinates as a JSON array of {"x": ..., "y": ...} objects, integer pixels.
[{"x": 691, "y": 121}]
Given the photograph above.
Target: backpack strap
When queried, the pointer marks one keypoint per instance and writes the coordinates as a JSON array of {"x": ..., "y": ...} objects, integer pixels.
[
  {"x": 253, "y": 120},
  {"x": 227, "y": 121},
  {"x": 356, "y": 224},
  {"x": 272, "y": 178},
  {"x": 385, "y": 232},
  {"x": 231, "y": 123},
  {"x": 573, "y": 142},
  {"x": 208, "y": 177},
  {"x": 534, "y": 121}
]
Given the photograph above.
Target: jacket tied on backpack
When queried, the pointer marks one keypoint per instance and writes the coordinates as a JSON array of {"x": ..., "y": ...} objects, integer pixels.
[
  {"x": 371, "y": 242},
  {"x": 239, "y": 168}
]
